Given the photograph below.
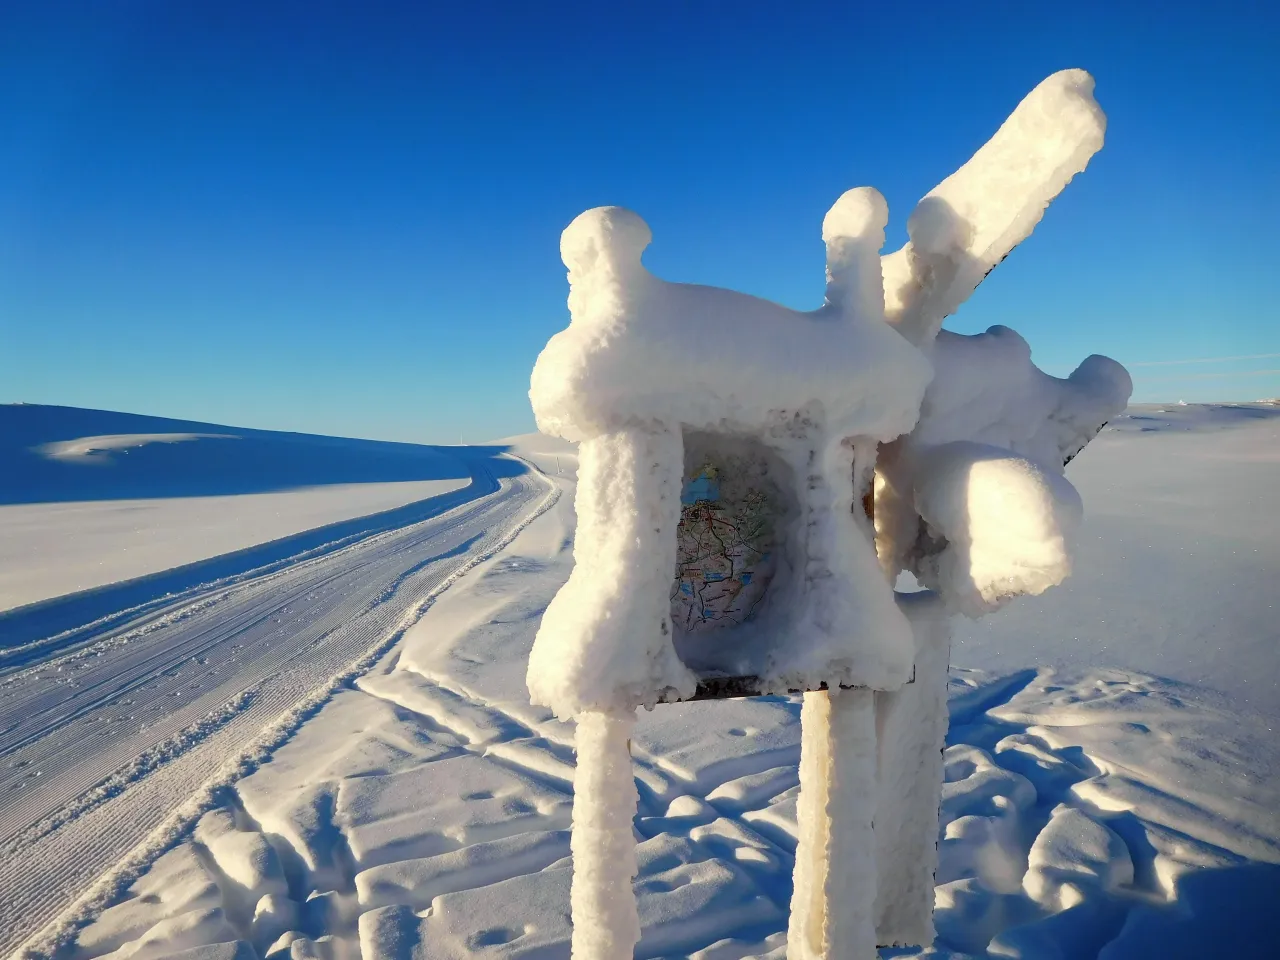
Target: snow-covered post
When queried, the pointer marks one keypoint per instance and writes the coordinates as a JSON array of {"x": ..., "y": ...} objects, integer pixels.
[
  {"x": 627, "y": 506},
  {"x": 833, "y": 902},
  {"x": 604, "y": 639},
  {"x": 605, "y": 924}
]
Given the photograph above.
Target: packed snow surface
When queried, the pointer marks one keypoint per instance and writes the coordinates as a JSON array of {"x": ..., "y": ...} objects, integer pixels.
[
  {"x": 1111, "y": 766},
  {"x": 117, "y": 705},
  {"x": 53, "y": 549}
]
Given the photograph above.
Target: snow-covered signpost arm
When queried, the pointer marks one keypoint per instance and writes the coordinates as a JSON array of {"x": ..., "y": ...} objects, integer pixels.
[{"x": 967, "y": 224}]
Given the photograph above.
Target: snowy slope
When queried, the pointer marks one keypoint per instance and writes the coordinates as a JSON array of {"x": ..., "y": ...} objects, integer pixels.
[
  {"x": 90, "y": 497},
  {"x": 108, "y": 723},
  {"x": 1101, "y": 801}
]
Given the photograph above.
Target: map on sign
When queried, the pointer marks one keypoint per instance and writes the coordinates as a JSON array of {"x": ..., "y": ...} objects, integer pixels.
[{"x": 725, "y": 544}]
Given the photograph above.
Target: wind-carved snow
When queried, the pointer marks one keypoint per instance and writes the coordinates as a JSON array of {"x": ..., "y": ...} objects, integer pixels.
[{"x": 109, "y": 730}]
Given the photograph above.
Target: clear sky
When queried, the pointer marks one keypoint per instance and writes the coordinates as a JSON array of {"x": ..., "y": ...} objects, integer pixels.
[{"x": 344, "y": 217}]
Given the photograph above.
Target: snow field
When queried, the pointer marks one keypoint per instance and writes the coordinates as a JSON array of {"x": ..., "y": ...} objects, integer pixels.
[
  {"x": 93, "y": 497},
  {"x": 51, "y": 549},
  {"x": 1087, "y": 811}
]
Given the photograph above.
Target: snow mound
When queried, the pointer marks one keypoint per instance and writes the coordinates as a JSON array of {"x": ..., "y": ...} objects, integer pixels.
[{"x": 100, "y": 449}]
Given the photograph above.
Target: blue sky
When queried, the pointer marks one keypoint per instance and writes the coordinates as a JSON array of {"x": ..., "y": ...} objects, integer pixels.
[{"x": 344, "y": 217}]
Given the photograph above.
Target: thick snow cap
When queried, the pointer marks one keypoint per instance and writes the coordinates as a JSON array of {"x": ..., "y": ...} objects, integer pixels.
[
  {"x": 641, "y": 350},
  {"x": 974, "y": 501}
]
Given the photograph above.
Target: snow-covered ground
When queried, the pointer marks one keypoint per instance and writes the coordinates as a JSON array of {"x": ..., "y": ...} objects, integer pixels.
[
  {"x": 52, "y": 549},
  {"x": 117, "y": 704},
  {"x": 1178, "y": 566},
  {"x": 89, "y": 497},
  {"x": 1112, "y": 769}
]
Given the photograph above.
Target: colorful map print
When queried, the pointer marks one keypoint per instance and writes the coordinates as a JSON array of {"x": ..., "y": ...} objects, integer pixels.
[{"x": 724, "y": 551}]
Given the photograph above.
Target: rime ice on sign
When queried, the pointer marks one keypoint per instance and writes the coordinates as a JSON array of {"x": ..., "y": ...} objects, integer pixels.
[{"x": 720, "y": 529}]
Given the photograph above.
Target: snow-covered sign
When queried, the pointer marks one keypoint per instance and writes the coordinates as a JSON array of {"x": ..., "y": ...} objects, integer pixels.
[{"x": 727, "y": 448}]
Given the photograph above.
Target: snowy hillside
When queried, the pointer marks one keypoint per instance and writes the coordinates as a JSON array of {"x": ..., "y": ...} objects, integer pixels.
[
  {"x": 1112, "y": 767},
  {"x": 90, "y": 497}
]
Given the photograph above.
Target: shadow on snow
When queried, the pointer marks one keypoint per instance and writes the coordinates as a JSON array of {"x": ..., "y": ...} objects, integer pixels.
[{"x": 57, "y": 454}]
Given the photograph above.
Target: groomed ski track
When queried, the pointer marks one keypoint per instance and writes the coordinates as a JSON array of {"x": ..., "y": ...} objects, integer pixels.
[{"x": 99, "y": 745}]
